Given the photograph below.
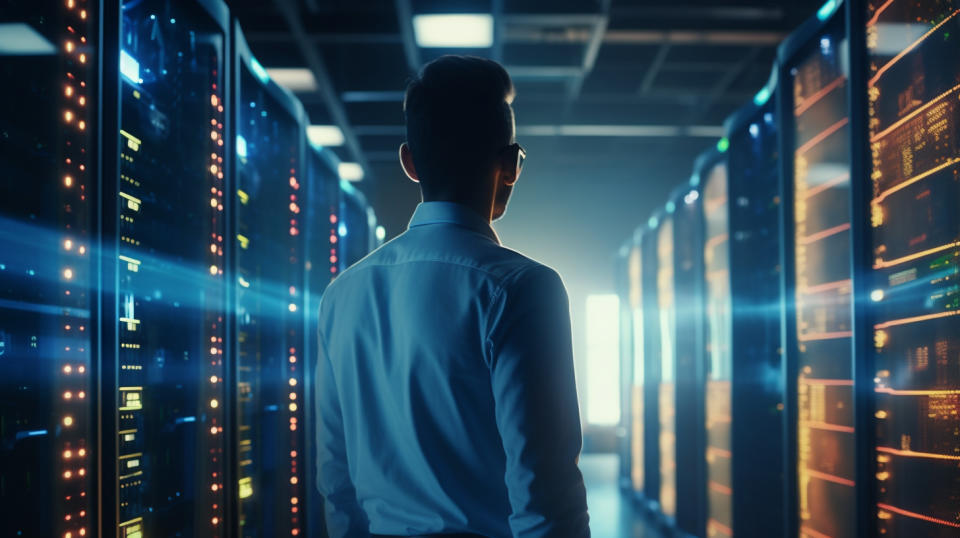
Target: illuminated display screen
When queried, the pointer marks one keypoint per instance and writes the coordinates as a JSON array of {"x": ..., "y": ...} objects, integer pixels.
[
  {"x": 914, "y": 86},
  {"x": 753, "y": 187},
  {"x": 821, "y": 215},
  {"x": 270, "y": 327},
  {"x": 719, "y": 354},
  {"x": 667, "y": 388},
  {"x": 171, "y": 294},
  {"x": 635, "y": 395},
  {"x": 47, "y": 193}
]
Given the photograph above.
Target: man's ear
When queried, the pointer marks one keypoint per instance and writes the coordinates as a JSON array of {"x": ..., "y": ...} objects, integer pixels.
[
  {"x": 509, "y": 170},
  {"x": 406, "y": 162}
]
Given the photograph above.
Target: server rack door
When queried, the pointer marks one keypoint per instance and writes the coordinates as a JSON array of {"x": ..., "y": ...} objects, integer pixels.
[
  {"x": 269, "y": 308},
  {"x": 666, "y": 394},
  {"x": 353, "y": 229},
  {"x": 321, "y": 267},
  {"x": 636, "y": 384},
  {"x": 690, "y": 465},
  {"x": 716, "y": 255},
  {"x": 48, "y": 191},
  {"x": 820, "y": 219},
  {"x": 625, "y": 322},
  {"x": 914, "y": 123},
  {"x": 652, "y": 354},
  {"x": 757, "y": 401},
  {"x": 171, "y": 292}
]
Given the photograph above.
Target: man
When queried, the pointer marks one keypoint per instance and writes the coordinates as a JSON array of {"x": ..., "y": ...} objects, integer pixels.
[{"x": 445, "y": 384}]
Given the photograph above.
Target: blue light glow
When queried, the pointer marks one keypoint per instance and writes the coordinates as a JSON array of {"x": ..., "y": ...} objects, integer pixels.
[
  {"x": 754, "y": 130},
  {"x": 762, "y": 96},
  {"x": 723, "y": 145},
  {"x": 130, "y": 67},
  {"x": 32, "y": 433},
  {"x": 241, "y": 146},
  {"x": 828, "y": 9},
  {"x": 342, "y": 230},
  {"x": 182, "y": 420},
  {"x": 652, "y": 222},
  {"x": 259, "y": 71},
  {"x": 671, "y": 207}
]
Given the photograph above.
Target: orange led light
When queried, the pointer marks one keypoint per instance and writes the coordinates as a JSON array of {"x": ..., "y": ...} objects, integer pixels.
[
  {"x": 67, "y": 395},
  {"x": 293, "y": 480},
  {"x": 81, "y": 395},
  {"x": 68, "y": 474},
  {"x": 82, "y": 452},
  {"x": 68, "y": 273},
  {"x": 67, "y": 244},
  {"x": 81, "y": 369},
  {"x": 293, "y": 395},
  {"x": 213, "y": 430},
  {"x": 67, "y": 369},
  {"x": 68, "y": 181},
  {"x": 68, "y": 116},
  {"x": 67, "y": 454}
]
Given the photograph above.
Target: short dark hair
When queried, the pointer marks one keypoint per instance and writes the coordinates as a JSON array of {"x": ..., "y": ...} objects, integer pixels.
[{"x": 458, "y": 119}]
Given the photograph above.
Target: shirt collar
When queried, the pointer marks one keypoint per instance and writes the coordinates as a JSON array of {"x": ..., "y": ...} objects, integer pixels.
[{"x": 451, "y": 213}]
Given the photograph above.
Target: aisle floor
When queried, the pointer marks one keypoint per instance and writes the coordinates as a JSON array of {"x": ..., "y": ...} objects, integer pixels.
[{"x": 612, "y": 514}]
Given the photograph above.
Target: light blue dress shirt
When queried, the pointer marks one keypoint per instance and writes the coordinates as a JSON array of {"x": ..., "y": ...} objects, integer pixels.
[{"x": 445, "y": 389}]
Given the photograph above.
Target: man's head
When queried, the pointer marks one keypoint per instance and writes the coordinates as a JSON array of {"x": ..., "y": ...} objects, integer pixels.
[{"x": 460, "y": 133}]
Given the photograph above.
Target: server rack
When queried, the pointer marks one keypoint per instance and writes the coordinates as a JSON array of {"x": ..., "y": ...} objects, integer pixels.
[
  {"x": 756, "y": 398},
  {"x": 690, "y": 366},
  {"x": 322, "y": 266},
  {"x": 271, "y": 206},
  {"x": 717, "y": 493},
  {"x": 909, "y": 141},
  {"x": 48, "y": 268},
  {"x": 636, "y": 381},
  {"x": 621, "y": 279},
  {"x": 356, "y": 227},
  {"x": 651, "y": 330},
  {"x": 818, "y": 277}
]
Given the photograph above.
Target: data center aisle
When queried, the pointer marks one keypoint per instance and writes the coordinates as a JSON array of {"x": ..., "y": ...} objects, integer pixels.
[{"x": 612, "y": 515}]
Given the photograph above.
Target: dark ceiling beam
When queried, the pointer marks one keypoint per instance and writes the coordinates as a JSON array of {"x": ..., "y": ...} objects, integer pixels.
[
  {"x": 327, "y": 38},
  {"x": 651, "y": 75},
  {"x": 680, "y": 96},
  {"x": 587, "y": 130},
  {"x": 678, "y": 10},
  {"x": 573, "y": 35},
  {"x": 405, "y": 22},
  {"x": 288, "y": 9},
  {"x": 724, "y": 82},
  {"x": 499, "y": 27},
  {"x": 591, "y": 51}
]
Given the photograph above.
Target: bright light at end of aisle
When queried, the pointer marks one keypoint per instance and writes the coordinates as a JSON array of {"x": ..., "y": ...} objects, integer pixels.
[
  {"x": 381, "y": 233},
  {"x": 603, "y": 359},
  {"x": 350, "y": 171},
  {"x": 464, "y": 30}
]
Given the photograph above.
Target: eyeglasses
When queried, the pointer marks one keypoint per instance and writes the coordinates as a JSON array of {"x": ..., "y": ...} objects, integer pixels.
[{"x": 521, "y": 156}]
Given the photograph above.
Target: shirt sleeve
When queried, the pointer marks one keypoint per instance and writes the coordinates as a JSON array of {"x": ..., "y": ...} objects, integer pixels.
[
  {"x": 344, "y": 517},
  {"x": 537, "y": 414}
]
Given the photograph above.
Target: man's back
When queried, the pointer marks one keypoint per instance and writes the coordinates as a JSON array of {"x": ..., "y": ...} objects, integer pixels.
[{"x": 446, "y": 391}]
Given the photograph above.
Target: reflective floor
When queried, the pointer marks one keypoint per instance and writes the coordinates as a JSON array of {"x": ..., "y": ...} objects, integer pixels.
[{"x": 612, "y": 514}]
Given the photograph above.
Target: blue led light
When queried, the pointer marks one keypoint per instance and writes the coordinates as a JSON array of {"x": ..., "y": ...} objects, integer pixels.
[
  {"x": 723, "y": 145},
  {"x": 182, "y": 420},
  {"x": 652, "y": 222},
  {"x": 259, "y": 71},
  {"x": 241, "y": 146},
  {"x": 342, "y": 230},
  {"x": 130, "y": 67},
  {"x": 754, "y": 130},
  {"x": 828, "y": 9},
  {"x": 671, "y": 207}
]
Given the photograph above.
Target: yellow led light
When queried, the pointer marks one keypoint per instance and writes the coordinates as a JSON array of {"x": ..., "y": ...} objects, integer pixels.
[
  {"x": 68, "y": 244},
  {"x": 82, "y": 452},
  {"x": 293, "y": 381},
  {"x": 67, "y": 454},
  {"x": 292, "y": 407},
  {"x": 68, "y": 273},
  {"x": 213, "y": 379},
  {"x": 69, "y": 46},
  {"x": 68, "y": 116},
  {"x": 292, "y": 307},
  {"x": 67, "y": 369},
  {"x": 213, "y": 202},
  {"x": 68, "y": 420},
  {"x": 67, "y": 395},
  {"x": 213, "y": 269},
  {"x": 68, "y": 181},
  {"x": 214, "y": 403}
]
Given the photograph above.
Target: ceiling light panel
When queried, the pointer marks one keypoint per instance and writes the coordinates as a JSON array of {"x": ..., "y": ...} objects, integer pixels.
[
  {"x": 463, "y": 30},
  {"x": 295, "y": 79}
]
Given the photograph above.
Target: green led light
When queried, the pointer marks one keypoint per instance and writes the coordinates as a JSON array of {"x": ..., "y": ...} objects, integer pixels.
[{"x": 723, "y": 145}]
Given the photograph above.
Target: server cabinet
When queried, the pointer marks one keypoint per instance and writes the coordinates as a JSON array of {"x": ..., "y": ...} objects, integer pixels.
[
  {"x": 712, "y": 169},
  {"x": 636, "y": 382},
  {"x": 756, "y": 398},
  {"x": 354, "y": 229},
  {"x": 164, "y": 290},
  {"x": 48, "y": 252},
  {"x": 814, "y": 113},
  {"x": 625, "y": 324},
  {"x": 322, "y": 266},
  {"x": 913, "y": 84},
  {"x": 270, "y": 208},
  {"x": 652, "y": 319}
]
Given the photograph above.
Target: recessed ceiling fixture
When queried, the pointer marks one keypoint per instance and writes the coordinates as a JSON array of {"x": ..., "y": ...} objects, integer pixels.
[
  {"x": 295, "y": 79},
  {"x": 20, "y": 39},
  {"x": 325, "y": 135},
  {"x": 463, "y": 30},
  {"x": 350, "y": 171}
]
